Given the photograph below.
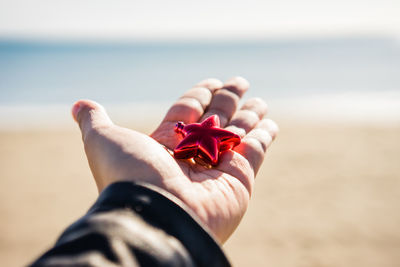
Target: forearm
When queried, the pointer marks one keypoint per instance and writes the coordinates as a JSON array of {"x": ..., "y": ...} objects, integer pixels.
[{"x": 135, "y": 225}]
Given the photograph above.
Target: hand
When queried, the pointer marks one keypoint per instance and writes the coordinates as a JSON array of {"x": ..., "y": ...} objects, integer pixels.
[{"x": 219, "y": 195}]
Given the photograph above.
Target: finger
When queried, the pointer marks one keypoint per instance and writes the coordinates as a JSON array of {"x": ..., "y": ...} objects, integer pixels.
[
  {"x": 225, "y": 101},
  {"x": 211, "y": 83},
  {"x": 255, "y": 143},
  {"x": 237, "y": 166},
  {"x": 245, "y": 119},
  {"x": 90, "y": 115},
  {"x": 190, "y": 107}
]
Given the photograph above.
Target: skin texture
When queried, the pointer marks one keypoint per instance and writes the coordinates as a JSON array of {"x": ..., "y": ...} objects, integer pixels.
[{"x": 219, "y": 196}]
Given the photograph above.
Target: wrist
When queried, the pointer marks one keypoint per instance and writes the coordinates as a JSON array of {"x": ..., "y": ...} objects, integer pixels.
[{"x": 163, "y": 210}]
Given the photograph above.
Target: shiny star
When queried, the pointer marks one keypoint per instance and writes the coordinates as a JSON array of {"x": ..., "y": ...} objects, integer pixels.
[{"x": 204, "y": 140}]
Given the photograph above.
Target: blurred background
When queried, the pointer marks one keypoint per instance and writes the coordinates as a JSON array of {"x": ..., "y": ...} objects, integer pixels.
[{"x": 329, "y": 190}]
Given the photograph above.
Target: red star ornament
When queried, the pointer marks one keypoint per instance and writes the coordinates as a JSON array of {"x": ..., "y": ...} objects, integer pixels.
[{"x": 204, "y": 140}]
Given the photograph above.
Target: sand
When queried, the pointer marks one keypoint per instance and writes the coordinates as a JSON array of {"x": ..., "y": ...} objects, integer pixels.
[{"x": 327, "y": 195}]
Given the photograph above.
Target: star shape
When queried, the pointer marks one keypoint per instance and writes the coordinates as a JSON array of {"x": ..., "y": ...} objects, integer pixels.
[{"x": 204, "y": 140}]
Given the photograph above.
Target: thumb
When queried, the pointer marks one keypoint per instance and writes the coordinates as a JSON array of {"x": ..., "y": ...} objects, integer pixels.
[{"x": 90, "y": 115}]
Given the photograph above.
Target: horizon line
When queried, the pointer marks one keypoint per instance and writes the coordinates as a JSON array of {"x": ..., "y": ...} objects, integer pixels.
[{"x": 200, "y": 40}]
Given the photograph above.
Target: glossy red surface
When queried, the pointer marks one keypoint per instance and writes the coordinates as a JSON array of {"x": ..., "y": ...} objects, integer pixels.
[{"x": 204, "y": 140}]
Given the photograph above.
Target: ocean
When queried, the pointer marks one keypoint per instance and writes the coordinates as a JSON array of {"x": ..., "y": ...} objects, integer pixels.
[{"x": 37, "y": 75}]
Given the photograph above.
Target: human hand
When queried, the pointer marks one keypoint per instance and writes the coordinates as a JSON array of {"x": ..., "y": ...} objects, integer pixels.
[{"x": 219, "y": 196}]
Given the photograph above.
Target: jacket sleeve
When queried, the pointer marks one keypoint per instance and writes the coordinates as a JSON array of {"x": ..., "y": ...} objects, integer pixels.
[{"x": 135, "y": 225}]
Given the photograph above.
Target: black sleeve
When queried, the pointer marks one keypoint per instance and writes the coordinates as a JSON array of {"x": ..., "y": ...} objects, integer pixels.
[{"x": 135, "y": 225}]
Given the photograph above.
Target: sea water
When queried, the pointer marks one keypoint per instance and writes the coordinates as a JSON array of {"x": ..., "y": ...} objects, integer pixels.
[{"x": 35, "y": 75}]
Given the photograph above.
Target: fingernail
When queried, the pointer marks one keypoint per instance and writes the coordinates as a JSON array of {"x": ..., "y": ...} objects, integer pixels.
[{"x": 75, "y": 110}]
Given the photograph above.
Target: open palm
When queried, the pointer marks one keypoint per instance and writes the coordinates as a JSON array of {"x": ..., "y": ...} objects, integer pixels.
[{"x": 218, "y": 196}]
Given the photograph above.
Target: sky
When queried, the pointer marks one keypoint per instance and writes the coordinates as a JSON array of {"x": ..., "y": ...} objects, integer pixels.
[{"x": 184, "y": 19}]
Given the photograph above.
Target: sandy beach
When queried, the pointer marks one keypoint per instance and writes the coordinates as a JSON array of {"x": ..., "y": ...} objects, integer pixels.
[
  {"x": 328, "y": 192},
  {"x": 327, "y": 195}
]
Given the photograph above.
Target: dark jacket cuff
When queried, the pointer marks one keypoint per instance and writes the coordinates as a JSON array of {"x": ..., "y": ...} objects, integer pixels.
[{"x": 163, "y": 211}]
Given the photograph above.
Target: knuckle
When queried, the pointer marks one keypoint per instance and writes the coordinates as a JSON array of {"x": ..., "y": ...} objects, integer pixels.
[
  {"x": 256, "y": 104},
  {"x": 186, "y": 109},
  {"x": 237, "y": 130},
  {"x": 226, "y": 100},
  {"x": 246, "y": 119},
  {"x": 248, "y": 114},
  {"x": 262, "y": 137},
  {"x": 188, "y": 103},
  {"x": 238, "y": 85},
  {"x": 201, "y": 94},
  {"x": 258, "y": 101},
  {"x": 271, "y": 127},
  {"x": 256, "y": 146},
  {"x": 211, "y": 83},
  {"x": 224, "y": 92}
]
